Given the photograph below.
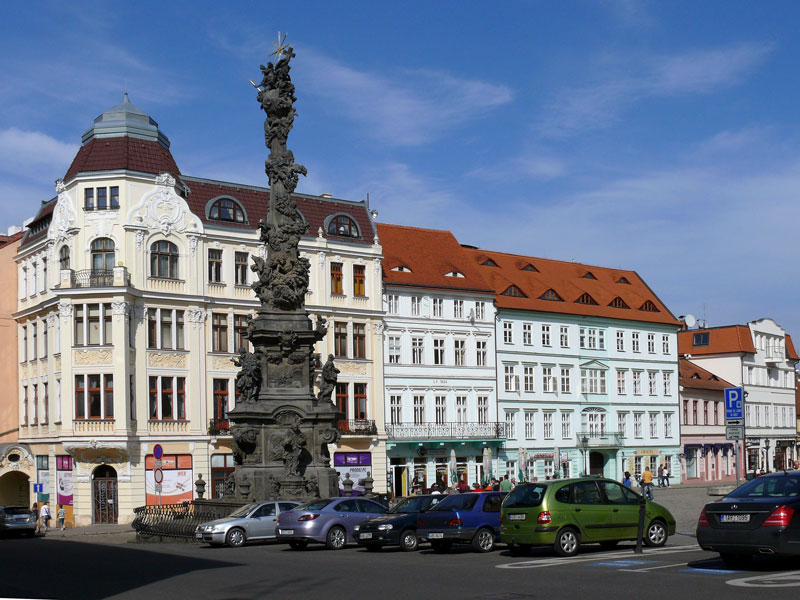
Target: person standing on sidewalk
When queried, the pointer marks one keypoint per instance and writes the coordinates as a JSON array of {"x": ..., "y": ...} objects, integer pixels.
[
  {"x": 626, "y": 481},
  {"x": 666, "y": 476},
  {"x": 45, "y": 514},
  {"x": 35, "y": 513},
  {"x": 61, "y": 515},
  {"x": 647, "y": 483},
  {"x": 660, "y": 475}
]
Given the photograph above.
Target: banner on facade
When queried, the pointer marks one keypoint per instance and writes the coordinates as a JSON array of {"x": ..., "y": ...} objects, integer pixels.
[
  {"x": 64, "y": 488},
  {"x": 177, "y": 483},
  {"x": 355, "y": 464}
]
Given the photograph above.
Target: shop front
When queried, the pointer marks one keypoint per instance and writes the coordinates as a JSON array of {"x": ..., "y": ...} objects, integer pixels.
[
  {"x": 767, "y": 455},
  {"x": 634, "y": 461},
  {"x": 710, "y": 458}
]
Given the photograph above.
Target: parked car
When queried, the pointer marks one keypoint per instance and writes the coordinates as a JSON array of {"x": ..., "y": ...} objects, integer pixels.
[
  {"x": 254, "y": 521},
  {"x": 761, "y": 516},
  {"x": 566, "y": 513},
  {"x": 472, "y": 518},
  {"x": 328, "y": 521},
  {"x": 17, "y": 519},
  {"x": 398, "y": 527}
]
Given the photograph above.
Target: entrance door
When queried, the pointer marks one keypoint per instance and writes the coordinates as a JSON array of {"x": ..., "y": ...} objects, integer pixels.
[
  {"x": 596, "y": 461},
  {"x": 14, "y": 489},
  {"x": 399, "y": 481},
  {"x": 104, "y": 495}
]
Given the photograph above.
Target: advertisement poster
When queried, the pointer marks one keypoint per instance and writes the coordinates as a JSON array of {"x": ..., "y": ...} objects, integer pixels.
[
  {"x": 357, "y": 464},
  {"x": 178, "y": 481},
  {"x": 44, "y": 479},
  {"x": 64, "y": 487}
]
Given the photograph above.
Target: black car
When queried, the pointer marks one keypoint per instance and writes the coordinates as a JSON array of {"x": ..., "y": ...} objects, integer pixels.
[
  {"x": 396, "y": 528},
  {"x": 760, "y": 517}
]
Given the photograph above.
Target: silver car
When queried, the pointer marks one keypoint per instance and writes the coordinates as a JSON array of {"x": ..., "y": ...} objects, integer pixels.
[
  {"x": 17, "y": 518},
  {"x": 254, "y": 521}
]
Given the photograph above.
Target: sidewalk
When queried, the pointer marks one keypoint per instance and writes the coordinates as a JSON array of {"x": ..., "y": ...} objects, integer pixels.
[{"x": 104, "y": 533}]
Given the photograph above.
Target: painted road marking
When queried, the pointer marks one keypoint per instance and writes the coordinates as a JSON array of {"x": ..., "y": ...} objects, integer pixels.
[
  {"x": 621, "y": 563},
  {"x": 682, "y": 564},
  {"x": 710, "y": 571},
  {"x": 554, "y": 562},
  {"x": 790, "y": 579}
]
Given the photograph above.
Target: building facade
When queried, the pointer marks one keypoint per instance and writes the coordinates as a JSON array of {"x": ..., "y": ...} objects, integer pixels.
[
  {"x": 761, "y": 358},
  {"x": 586, "y": 369},
  {"x": 439, "y": 361},
  {"x": 133, "y": 300}
]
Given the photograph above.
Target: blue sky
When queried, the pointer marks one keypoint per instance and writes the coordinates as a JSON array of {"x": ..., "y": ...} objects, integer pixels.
[{"x": 660, "y": 137}]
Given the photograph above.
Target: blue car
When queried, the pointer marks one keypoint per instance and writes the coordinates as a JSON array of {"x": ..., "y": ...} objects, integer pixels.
[{"x": 463, "y": 519}]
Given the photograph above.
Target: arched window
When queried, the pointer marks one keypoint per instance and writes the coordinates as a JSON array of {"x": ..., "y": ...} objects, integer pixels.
[
  {"x": 102, "y": 254},
  {"x": 164, "y": 260},
  {"x": 226, "y": 209},
  {"x": 344, "y": 226},
  {"x": 63, "y": 258},
  {"x": 593, "y": 421}
]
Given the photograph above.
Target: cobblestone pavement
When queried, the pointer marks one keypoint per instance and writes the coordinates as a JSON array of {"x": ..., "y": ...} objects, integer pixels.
[{"x": 685, "y": 503}]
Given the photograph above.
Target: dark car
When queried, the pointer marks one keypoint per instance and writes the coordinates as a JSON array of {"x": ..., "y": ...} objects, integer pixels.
[
  {"x": 398, "y": 527},
  {"x": 472, "y": 518},
  {"x": 760, "y": 517},
  {"x": 18, "y": 519}
]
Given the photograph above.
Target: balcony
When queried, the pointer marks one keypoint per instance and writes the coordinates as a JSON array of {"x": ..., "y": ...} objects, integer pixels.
[
  {"x": 93, "y": 426},
  {"x": 219, "y": 427},
  {"x": 167, "y": 426},
  {"x": 97, "y": 278},
  {"x": 445, "y": 431},
  {"x": 600, "y": 439},
  {"x": 357, "y": 427}
]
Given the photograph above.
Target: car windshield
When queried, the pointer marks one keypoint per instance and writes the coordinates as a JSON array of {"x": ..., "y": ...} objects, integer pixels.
[
  {"x": 17, "y": 510},
  {"x": 457, "y": 502},
  {"x": 525, "y": 496},
  {"x": 314, "y": 505},
  {"x": 243, "y": 510},
  {"x": 410, "y": 505},
  {"x": 774, "y": 486}
]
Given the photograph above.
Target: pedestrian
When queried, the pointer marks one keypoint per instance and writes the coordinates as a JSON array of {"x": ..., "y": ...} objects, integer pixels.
[
  {"x": 626, "y": 480},
  {"x": 45, "y": 514},
  {"x": 660, "y": 475},
  {"x": 62, "y": 516},
  {"x": 666, "y": 476},
  {"x": 35, "y": 513},
  {"x": 495, "y": 485},
  {"x": 505, "y": 485},
  {"x": 513, "y": 482},
  {"x": 647, "y": 483}
]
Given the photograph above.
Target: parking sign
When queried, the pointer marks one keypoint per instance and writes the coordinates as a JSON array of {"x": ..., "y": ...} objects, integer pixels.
[{"x": 734, "y": 403}]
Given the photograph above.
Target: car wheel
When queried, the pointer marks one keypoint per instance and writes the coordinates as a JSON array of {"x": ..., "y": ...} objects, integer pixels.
[
  {"x": 567, "y": 542},
  {"x": 656, "y": 534},
  {"x": 483, "y": 541},
  {"x": 736, "y": 561},
  {"x": 441, "y": 546},
  {"x": 519, "y": 549},
  {"x": 373, "y": 547},
  {"x": 409, "y": 541},
  {"x": 609, "y": 545},
  {"x": 336, "y": 538},
  {"x": 298, "y": 545},
  {"x": 235, "y": 538}
]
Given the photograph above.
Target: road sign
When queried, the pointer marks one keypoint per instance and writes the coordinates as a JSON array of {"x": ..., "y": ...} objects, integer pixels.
[
  {"x": 158, "y": 451},
  {"x": 158, "y": 490},
  {"x": 734, "y": 422},
  {"x": 37, "y": 488},
  {"x": 734, "y": 403},
  {"x": 158, "y": 463},
  {"x": 734, "y": 432},
  {"x": 158, "y": 476}
]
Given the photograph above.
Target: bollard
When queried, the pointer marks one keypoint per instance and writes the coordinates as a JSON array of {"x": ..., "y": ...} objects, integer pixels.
[{"x": 640, "y": 535}]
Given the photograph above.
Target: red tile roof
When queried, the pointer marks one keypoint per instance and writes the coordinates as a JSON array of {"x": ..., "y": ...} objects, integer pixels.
[
  {"x": 791, "y": 353},
  {"x": 45, "y": 212},
  {"x": 428, "y": 254},
  {"x": 730, "y": 339},
  {"x": 133, "y": 154},
  {"x": 696, "y": 377},
  {"x": 7, "y": 239},
  {"x": 568, "y": 281},
  {"x": 255, "y": 201}
]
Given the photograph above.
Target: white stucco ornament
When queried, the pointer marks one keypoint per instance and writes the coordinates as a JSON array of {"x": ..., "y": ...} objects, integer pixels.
[
  {"x": 164, "y": 210},
  {"x": 64, "y": 223}
]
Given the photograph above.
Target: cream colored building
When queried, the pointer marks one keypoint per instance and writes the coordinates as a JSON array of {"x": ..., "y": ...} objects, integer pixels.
[{"x": 134, "y": 291}]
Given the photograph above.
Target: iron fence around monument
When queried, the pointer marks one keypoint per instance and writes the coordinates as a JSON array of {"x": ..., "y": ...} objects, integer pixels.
[
  {"x": 445, "y": 431},
  {"x": 171, "y": 520}
]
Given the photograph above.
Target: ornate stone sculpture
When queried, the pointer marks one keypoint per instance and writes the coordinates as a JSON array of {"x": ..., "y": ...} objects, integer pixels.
[
  {"x": 330, "y": 375},
  {"x": 248, "y": 380}
]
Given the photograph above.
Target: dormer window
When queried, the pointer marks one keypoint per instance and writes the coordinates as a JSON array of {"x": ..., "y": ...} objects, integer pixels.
[
  {"x": 530, "y": 267},
  {"x": 514, "y": 292},
  {"x": 227, "y": 209},
  {"x": 618, "y": 303},
  {"x": 489, "y": 263},
  {"x": 454, "y": 274},
  {"x": 649, "y": 306},
  {"x": 623, "y": 280},
  {"x": 589, "y": 275},
  {"x": 585, "y": 299},
  {"x": 401, "y": 269},
  {"x": 551, "y": 295},
  {"x": 700, "y": 339},
  {"x": 695, "y": 376},
  {"x": 344, "y": 226}
]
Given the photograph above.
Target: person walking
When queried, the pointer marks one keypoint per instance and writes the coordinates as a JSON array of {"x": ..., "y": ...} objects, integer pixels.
[
  {"x": 61, "y": 515},
  {"x": 45, "y": 514},
  {"x": 505, "y": 485},
  {"x": 660, "y": 475},
  {"x": 35, "y": 513},
  {"x": 647, "y": 483},
  {"x": 666, "y": 477},
  {"x": 626, "y": 480}
]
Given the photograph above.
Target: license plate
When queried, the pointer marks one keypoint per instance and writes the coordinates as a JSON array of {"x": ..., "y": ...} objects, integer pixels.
[
  {"x": 365, "y": 536},
  {"x": 735, "y": 518},
  {"x": 198, "y": 536},
  {"x": 287, "y": 531},
  {"x": 517, "y": 517},
  {"x": 435, "y": 536}
]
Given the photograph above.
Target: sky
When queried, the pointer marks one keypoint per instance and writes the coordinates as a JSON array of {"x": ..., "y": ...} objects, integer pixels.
[{"x": 655, "y": 136}]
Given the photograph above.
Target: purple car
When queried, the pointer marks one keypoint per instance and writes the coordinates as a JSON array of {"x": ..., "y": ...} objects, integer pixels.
[
  {"x": 328, "y": 521},
  {"x": 462, "y": 519}
]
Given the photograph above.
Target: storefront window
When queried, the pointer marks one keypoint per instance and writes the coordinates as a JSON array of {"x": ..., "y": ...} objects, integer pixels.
[{"x": 221, "y": 466}]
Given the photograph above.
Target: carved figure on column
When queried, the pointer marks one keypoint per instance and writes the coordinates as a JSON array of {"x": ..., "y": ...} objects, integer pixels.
[
  {"x": 330, "y": 375},
  {"x": 248, "y": 380}
]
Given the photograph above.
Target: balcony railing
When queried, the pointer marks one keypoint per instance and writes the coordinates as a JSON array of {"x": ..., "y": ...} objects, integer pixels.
[
  {"x": 594, "y": 439},
  {"x": 357, "y": 427},
  {"x": 446, "y": 431},
  {"x": 93, "y": 425},
  {"x": 91, "y": 278},
  {"x": 219, "y": 427}
]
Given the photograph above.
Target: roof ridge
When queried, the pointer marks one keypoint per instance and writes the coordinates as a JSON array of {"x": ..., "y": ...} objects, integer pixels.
[
  {"x": 553, "y": 260},
  {"x": 417, "y": 228}
]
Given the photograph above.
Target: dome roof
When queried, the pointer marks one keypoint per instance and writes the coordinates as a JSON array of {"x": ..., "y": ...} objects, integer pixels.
[{"x": 125, "y": 119}]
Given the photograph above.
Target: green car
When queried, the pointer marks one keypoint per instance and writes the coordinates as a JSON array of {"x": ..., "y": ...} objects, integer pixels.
[{"x": 566, "y": 513}]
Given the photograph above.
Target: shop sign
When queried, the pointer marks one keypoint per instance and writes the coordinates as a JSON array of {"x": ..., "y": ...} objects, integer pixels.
[
  {"x": 647, "y": 452},
  {"x": 355, "y": 464},
  {"x": 542, "y": 456}
]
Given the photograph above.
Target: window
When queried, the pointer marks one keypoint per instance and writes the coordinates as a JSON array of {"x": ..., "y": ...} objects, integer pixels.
[
  {"x": 593, "y": 381},
  {"x": 165, "y": 329},
  {"x": 93, "y": 325},
  {"x": 167, "y": 398},
  {"x": 548, "y": 381},
  {"x": 441, "y": 410},
  {"x": 239, "y": 331},
  {"x": 337, "y": 285},
  {"x": 35, "y": 404},
  {"x": 594, "y": 421},
  {"x": 88, "y": 199},
  {"x": 240, "y": 267},
  {"x": 622, "y": 423},
  {"x": 417, "y": 350},
  {"x": 340, "y": 339},
  {"x": 511, "y": 424},
  {"x": 510, "y": 378},
  {"x": 25, "y": 403},
  {"x": 665, "y": 344},
  {"x": 461, "y": 409},
  {"x": 637, "y": 383},
  {"x": 651, "y": 343},
  {"x": 460, "y": 352},
  {"x": 102, "y": 250},
  {"x": 419, "y": 410},
  {"x": 527, "y": 378},
  {"x": 114, "y": 196},
  {"x": 94, "y": 396},
  {"x": 44, "y": 339},
  {"x": 668, "y": 425},
  {"x": 393, "y": 302},
  {"x": 621, "y": 382},
  {"x": 480, "y": 353},
  {"x": 394, "y": 350},
  {"x": 508, "y": 337},
  {"x": 551, "y": 295},
  {"x": 586, "y": 299},
  {"x": 566, "y": 376},
  {"x": 220, "y": 400},
  {"x": 527, "y": 337},
  {"x": 547, "y": 423},
  {"x": 618, "y": 303},
  {"x": 395, "y": 409},
  {"x": 63, "y": 258},
  {"x": 215, "y": 266},
  {"x": 652, "y": 386},
  {"x": 653, "y": 425},
  {"x": 164, "y": 260},
  {"x": 545, "y": 335},
  {"x": 564, "y": 336},
  {"x": 458, "y": 309},
  {"x": 483, "y": 409},
  {"x": 637, "y": 425},
  {"x": 106, "y": 198},
  {"x": 480, "y": 311},
  {"x": 226, "y": 209},
  {"x": 342, "y": 399},
  {"x": 415, "y": 306},
  {"x": 592, "y": 338},
  {"x": 359, "y": 281},
  {"x": 438, "y": 307},
  {"x": 566, "y": 419},
  {"x": 438, "y": 351},
  {"x": 667, "y": 383},
  {"x": 620, "y": 341},
  {"x": 530, "y": 424},
  {"x": 635, "y": 341},
  {"x": 343, "y": 225},
  {"x": 25, "y": 342},
  {"x": 360, "y": 397},
  {"x": 359, "y": 340},
  {"x": 219, "y": 332},
  {"x": 700, "y": 339},
  {"x": 35, "y": 340}
]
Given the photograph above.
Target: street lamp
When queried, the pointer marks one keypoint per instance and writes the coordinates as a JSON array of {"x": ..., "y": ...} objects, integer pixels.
[
  {"x": 766, "y": 456},
  {"x": 585, "y": 444}
]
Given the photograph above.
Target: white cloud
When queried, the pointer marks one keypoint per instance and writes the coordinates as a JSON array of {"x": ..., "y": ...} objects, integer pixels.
[
  {"x": 34, "y": 154},
  {"x": 531, "y": 165}
]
